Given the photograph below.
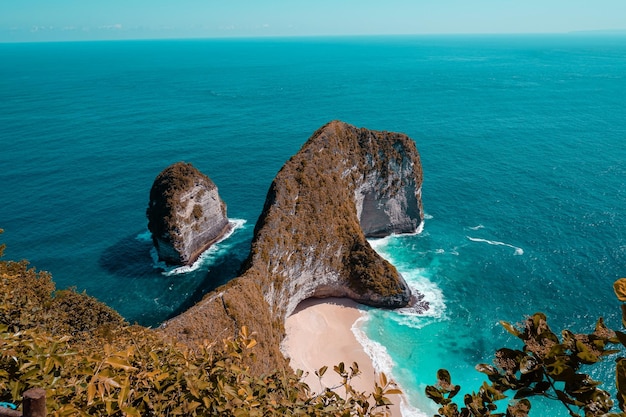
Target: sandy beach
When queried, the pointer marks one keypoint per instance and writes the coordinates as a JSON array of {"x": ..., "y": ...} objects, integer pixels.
[{"x": 319, "y": 334}]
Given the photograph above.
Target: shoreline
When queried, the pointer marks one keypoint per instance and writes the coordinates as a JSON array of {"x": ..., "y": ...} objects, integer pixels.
[{"x": 319, "y": 333}]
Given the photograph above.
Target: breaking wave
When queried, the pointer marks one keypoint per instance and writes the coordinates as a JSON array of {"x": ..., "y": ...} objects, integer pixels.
[
  {"x": 518, "y": 251},
  {"x": 206, "y": 258},
  {"x": 480, "y": 226},
  {"x": 378, "y": 353}
]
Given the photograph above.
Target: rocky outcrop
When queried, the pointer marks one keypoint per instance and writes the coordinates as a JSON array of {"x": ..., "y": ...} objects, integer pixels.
[
  {"x": 344, "y": 185},
  {"x": 185, "y": 214}
]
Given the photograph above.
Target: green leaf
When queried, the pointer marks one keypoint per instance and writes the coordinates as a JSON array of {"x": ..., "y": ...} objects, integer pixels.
[
  {"x": 124, "y": 391},
  {"x": 383, "y": 379},
  {"x": 585, "y": 354},
  {"x": 620, "y": 371},
  {"x": 355, "y": 368},
  {"x": 519, "y": 408},
  {"x": 91, "y": 391},
  {"x": 524, "y": 392},
  {"x": 566, "y": 399},
  {"x": 340, "y": 369},
  {"x": 443, "y": 376},
  {"x": 558, "y": 367},
  {"x": 455, "y": 390},
  {"x": 131, "y": 411},
  {"x": 537, "y": 319},
  {"x": 119, "y": 363},
  {"x": 244, "y": 331},
  {"x": 393, "y": 391},
  {"x": 557, "y": 350},
  {"x": 619, "y": 287},
  {"x": 541, "y": 387},
  {"x": 434, "y": 394},
  {"x": 493, "y": 393},
  {"x": 320, "y": 372},
  {"x": 487, "y": 369},
  {"x": 528, "y": 364},
  {"x": 510, "y": 328}
]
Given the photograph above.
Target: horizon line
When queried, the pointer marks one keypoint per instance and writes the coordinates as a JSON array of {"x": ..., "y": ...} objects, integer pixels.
[{"x": 590, "y": 32}]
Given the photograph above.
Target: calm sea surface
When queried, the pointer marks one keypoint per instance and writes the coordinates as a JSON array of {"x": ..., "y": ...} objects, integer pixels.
[{"x": 522, "y": 139}]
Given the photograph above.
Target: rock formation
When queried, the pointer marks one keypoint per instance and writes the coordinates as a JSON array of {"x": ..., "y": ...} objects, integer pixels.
[
  {"x": 185, "y": 214},
  {"x": 344, "y": 185}
]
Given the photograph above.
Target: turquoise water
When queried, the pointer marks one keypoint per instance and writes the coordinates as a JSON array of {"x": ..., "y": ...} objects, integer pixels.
[{"x": 522, "y": 139}]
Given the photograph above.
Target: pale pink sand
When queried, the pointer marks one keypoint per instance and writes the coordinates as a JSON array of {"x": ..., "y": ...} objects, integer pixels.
[{"x": 319, "y": 334}]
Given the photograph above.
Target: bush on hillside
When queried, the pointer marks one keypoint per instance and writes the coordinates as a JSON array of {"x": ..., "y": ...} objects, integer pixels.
[{"x": 92, "y": 363}]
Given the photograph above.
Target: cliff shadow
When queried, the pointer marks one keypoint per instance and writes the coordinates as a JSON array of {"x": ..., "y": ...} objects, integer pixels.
[
  {"x": 129, "y": 257},
  {"x": 148, "y": 295},
  {"x": 220, "y": 271}
]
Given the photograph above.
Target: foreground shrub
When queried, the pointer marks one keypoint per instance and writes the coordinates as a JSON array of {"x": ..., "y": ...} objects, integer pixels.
[
  {"x": 92, "y": 363},
  {"x": 548, "y": 365},
  {"x": 140, "y": 374}
]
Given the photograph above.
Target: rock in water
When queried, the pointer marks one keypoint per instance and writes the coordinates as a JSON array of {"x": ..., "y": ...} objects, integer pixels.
[
  {"x": 185, "y": 214},
  {"x": 344, "y": 185}
]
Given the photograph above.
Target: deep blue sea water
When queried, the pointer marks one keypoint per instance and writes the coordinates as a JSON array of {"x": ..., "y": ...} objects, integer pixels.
[{"x": 522, "y": 139}]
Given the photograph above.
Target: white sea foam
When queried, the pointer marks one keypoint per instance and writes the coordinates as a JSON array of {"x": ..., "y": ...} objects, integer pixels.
[
  {"x": 420, "y": 283},
  {"x": 420, "y": 228},
  {"x": 380, "y": 244},
  {"x": 382, "y": 362},
  {"x": 378, "y": 353},
  {"x": 205, "y": 258},
  {"x": 409, "y": 411},
  {"x": 417, "y": 319},
  {"x": 518, "y": 251},
  {"x": 480, "y": 226}
]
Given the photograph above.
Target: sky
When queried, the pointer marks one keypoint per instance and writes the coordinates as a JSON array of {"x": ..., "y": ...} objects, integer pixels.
[{"x": 61, "y": 20}]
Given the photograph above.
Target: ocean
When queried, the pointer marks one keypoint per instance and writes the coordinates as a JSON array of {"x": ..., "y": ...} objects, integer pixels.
[{"x": 522, "y": 141}]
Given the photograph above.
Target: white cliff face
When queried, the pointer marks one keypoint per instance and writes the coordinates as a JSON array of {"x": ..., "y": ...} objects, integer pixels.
[
  {"x": 186, "y": 215},
  {"x": 308, "y": 278},
  {"x": 204, "y": 221},
  {"x": 391, "y": 203}
]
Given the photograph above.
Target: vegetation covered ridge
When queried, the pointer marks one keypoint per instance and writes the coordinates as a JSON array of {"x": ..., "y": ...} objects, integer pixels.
[{"x": 344, "y": 185}]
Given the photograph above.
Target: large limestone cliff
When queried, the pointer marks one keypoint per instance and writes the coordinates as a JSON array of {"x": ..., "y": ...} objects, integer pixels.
[
  {"x": 344, "y": 185},
  {"x": 185, "y": 214}
]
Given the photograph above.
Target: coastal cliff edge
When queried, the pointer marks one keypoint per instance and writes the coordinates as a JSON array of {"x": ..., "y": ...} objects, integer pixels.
[{"x": 346, "y": 184}]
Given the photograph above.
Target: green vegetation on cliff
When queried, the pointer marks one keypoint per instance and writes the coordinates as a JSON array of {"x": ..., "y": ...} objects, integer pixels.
[{"x": 92, "y": 363}]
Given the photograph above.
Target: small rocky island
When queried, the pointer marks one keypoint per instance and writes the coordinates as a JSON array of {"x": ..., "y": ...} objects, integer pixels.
[
  {"x": 185, "y": 214},
  {"x": 344, "y": 185}
]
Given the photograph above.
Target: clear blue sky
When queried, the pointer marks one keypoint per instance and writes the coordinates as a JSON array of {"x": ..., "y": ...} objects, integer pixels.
[{"x": 42, "y": 20}]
